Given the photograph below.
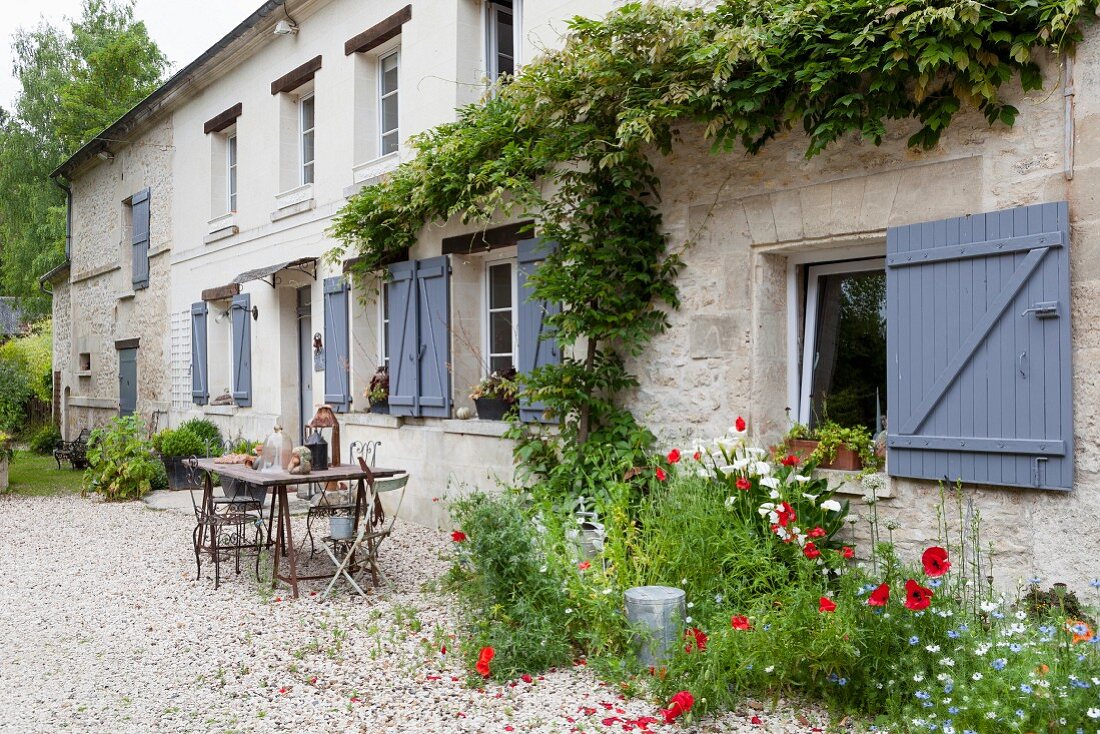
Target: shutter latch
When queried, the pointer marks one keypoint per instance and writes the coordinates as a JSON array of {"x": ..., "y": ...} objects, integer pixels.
[
  {"x": 1043, "y": 310},
  {"x": 1035, "y": 471}
]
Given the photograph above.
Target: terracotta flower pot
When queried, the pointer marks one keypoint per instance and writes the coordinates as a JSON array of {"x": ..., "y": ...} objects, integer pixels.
[{"x": 846, "y": 459}]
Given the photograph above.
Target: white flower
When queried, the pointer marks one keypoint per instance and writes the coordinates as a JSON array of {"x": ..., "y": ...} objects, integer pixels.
[
  {"x": 1021, "y": 615},
  {"x": 769, "y": 669},
  {"x": 568, "y": 610},
  {"x": 932, "y": 648},
  {"x": 756, "y": 451},
  {"x": 606, "y": 592},
  {"x": 771, "y": 482},
  {"x": 802, "y": 478},
  {"x": 810, "y": 497},
  {"x": 1093, "y": 713},
  {"x": 830, "y": 506},
  {"x": 730, "y": 501},
  {"x": 989, "y": 606},
  {"x": 687, "y": 620},
  {"x": 717, "y": 598},
  {"x": 941, "y": 677},
  {"x": 691, "y": 605},
  {"x": 740, "y": 464},
  {"x": 976, "y": 676},
  {"x": 704, "y": 473},
  {"x": 542, "y": 569},
  {"x": 762, "y": 468},
  {"x": 774, "y": 494},
  {"x": 766, "y": 508},
  {"x": 728, "y": 469},
  {"x": 918, "y": 677},
  {"x": 948, "y": 662}
]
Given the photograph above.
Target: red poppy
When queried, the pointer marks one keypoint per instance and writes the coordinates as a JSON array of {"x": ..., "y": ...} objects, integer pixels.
[
  {"x": 879, "y": 596},
  {"x": 674, "y": 456},
  {"x": 810, "y": 550},
  {"x": 697, "y": 455},
  {"x": 790, "y": 460},
  {"x": 916, "y": 596},
  {"x": 743, "y": 483},
  {"x": 786, "y": 515},
  {"x": 740, "y": 622},
  {"x": 825, "y": 604},
  {"x": 681, "y": 704},
  {"x": 817, "y": 533},
  {"x": 756, "y": 721},
  {"x": 661, "y": 475},
  {"x": 699, "y": 638},
  {"x": 849, "y": 551},
  {"x": 526, "y": 678},
  {"x": 443, "y": 650},
  {"x": 483, "y": 659},
  {"x": 739, "y": 424},
  {"x": 458, "y": 536},
  {"x": 935, "y": 562},
  {"x": 584, "y": 565}
]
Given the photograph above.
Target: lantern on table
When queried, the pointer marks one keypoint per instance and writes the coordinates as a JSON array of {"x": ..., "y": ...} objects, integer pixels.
[{"x": 326, "y": 418}]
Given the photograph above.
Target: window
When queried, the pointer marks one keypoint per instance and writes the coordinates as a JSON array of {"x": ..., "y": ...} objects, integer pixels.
[
  {"x": 500, "y": 329},
  {"x": 231, "y": 171},
  {"x": 388, "y": 70},
  {"x": 844, "y": 347},
  {"x": 306, "y": 128},
  {"x": 384, "y": 330},
  {"x": 500, "y": 50}
]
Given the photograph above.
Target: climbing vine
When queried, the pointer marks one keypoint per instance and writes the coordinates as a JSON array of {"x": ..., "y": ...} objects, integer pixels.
[{"x": 569, "y": 143}]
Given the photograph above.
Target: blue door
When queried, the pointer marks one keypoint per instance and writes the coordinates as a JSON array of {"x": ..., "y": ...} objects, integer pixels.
[{"x": 127, "y": 381}]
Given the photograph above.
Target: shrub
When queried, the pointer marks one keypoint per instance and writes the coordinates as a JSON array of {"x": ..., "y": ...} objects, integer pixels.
[
  {"x": 209, "y": 433},
  {"x": 173, "y": 443},
  {"x": 120, "y": 461},
  {"x": 45, "y": 440},
  {"x": 15, "y": 391}
]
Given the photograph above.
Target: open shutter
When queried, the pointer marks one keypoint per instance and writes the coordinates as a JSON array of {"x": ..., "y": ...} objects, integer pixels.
[
  {"x": 433, "y": 278},
  {"x": 241, "y": 311},
  {"x": 402, "y": 346},
  {"x": 537, "y": 346},
  {"x": 140, "y": 264},
  {"x": 200, "y": 388},
  {"x": 978, "y": 341},
  {"x": 337, "y": 356}
]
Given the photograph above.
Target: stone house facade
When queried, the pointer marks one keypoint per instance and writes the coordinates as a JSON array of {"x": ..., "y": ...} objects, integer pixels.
[{"x": 269, "y": 134}]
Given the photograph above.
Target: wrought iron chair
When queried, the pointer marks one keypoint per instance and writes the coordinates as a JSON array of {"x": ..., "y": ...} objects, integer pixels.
[
  {"x": 322, "y": 504},
  {"x": 373, "y": 529},
  {"x": 221, "y": 527}
]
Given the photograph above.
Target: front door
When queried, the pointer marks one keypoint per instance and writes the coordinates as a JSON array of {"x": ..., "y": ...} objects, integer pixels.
[
  {"x": 127, "y": 381},
  {"x": 305, "y": 360}
]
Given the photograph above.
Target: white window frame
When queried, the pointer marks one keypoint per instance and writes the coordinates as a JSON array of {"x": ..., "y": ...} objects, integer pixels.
[
  {"x": 492, "y": 42},
  {"x": 487, "y": 340},
  {"x": 232, "y": 159},
  {"x": 809, "y": 340},
  {"x": 383, "y": 324},
  {"x": 302, "y": 132},
  {"x": 382, "y": 96}
]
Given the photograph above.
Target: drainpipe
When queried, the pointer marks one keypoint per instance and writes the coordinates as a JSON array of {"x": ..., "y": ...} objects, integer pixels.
[
  {"x": 1067, "y": 94},
  {"x": 68, "y": 226}
]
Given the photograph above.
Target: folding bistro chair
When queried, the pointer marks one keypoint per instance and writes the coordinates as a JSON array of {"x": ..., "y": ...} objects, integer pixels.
[
  {"x": 322, "y": 504},
  {"x": 374, "y": 528}
]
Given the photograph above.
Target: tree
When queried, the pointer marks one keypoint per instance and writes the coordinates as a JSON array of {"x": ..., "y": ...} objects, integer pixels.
[{"x": 74, "y": 82}]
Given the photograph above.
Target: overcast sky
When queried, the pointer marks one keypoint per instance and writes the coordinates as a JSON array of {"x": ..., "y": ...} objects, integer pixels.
[{"x": 183, "y": 30}]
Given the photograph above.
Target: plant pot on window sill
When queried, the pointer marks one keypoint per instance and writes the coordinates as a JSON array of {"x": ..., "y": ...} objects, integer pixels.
[
  {"x": 492, "y": 409},
  {"x": 382, "y": 408},
  {"x": 846, "y": 459}
]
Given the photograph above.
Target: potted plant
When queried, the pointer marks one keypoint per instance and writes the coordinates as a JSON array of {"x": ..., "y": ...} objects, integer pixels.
[
  {"x": 833, "y": 446},
  {"x": 495, "y": 395},
  {"x": 378, "y": 394},
  {"x": 175, "y": 445},
  {"x": 5, "y": 458}
]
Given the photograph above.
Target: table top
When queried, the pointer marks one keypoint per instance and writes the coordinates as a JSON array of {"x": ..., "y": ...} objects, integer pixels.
[{"x": 277, "y": 478}]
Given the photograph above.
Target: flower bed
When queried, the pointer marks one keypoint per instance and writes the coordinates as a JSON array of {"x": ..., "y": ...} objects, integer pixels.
[{"x": 777, "y": 601}]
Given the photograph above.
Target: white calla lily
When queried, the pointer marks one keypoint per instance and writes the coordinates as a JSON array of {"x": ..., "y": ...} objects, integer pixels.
[{"x": 830, "y": 506}]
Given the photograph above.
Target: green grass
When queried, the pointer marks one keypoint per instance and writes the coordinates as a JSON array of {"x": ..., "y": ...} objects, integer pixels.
[{"x": 31, "y": 475}]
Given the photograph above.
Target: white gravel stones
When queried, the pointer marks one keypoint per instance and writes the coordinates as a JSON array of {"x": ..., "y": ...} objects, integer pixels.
[{"x": 104, "y": 629}]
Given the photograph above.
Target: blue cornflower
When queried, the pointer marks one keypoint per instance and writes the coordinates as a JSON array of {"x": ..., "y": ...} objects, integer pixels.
[
  {"x": 1025, "y": 688},
  {"x": 1046, "y": 629},
  {"x": 843, "y": 681},
  {"x": 1035, "y": 580},
  {"x": 1079, "y": 683},
  {"x": 963, "y": 628},
  {"x": 767, "y": 627},
  {"x": 948, "y": 687},
  {"x": 1080, "y": 629},
  {"x": 928, "y": 704},
  {"x": 935, "y": 583},
  {"x": 923, "y": 695},
  {"x": 1015, "y": 647},
  {"x": 997, "y": 615},
  {"x": 969, "y": 731},
  {"x": 953, "y": 634},
  {"x": 1020, "y": 713},
  {"x": 952, "y": 710},
  {"x": 1095, "y": 583},
  {"x": 914, "y": 640},
  {"x": 999, "y": 664}
]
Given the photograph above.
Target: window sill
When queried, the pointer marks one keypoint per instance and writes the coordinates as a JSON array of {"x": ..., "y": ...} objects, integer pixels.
[
  {"x": 489, "y": 429},
  {"x": 373, "y": 420},
  {"x": 127, "y": 296},
  {"x": 850, "y": 483},
  {"x": 372, "y": 172},
  {"x": 229, "y": 410},
  {"x": 220, "y": 228},
  {"x": 294, "y": 201},
  {"x": 84, "y": 373},
  {"x": 79, "y": 401},
  {"x": 475, "y": 427}
]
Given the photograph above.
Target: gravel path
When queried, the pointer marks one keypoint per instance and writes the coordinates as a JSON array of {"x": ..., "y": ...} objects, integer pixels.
[{"x": 105, "y": 629}]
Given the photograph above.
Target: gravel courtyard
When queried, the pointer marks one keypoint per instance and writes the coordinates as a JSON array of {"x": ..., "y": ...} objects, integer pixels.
[{"x": 106, "y": 629}]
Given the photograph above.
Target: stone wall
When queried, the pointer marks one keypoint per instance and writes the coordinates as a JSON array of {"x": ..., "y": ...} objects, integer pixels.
[{"x": 745, "y": 219}]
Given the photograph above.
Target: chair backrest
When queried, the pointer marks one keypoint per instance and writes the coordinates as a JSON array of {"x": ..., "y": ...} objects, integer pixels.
[
  {"x": 366, "y": 449},
  {"x": 391, "y": 484}
]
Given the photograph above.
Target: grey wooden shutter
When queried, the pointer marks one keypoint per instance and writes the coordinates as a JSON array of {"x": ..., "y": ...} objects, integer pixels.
[
  {"x": 241, "y": 312},
  {"x": 433, "y": 278},
  {"x": 200, "y": 387},
  {"x": 537, "y": 346},
  {"x": 337, "y": 355},
  {"x": 978, "y": 342},
  {"x": 140, "y": 217},
  {"x": 402, "y": 346}
]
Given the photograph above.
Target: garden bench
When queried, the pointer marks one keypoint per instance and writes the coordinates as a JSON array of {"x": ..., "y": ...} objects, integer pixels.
[{"x": 74, "y": 452}]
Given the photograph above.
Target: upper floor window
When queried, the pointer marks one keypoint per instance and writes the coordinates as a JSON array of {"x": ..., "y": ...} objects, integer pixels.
[
  {"x": 500, "y": 51},
  {"x": 501, "y": 317},
  {"x": 306, "y": 129},
  {"x": 388, "y": 71},
  {"x": 231, "y": 172}
]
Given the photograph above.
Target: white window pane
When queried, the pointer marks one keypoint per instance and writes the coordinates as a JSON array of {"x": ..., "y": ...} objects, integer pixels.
[
  {"x": 389, "y": 74},
  {"x": 389, "y": 143},
  {"x": 307, "y": 113},
  {"x": 233, "y": 150},
  {"x": 500, "y": 364},
  {"x": 389, "y": 113},
  {"x": 500, "y": 286},
  {"x": 307, "y": 148},
  {"x": 504, "y": 33},
  {"x": 500, "y": 332},
  {"x": 307, "y": 174}
]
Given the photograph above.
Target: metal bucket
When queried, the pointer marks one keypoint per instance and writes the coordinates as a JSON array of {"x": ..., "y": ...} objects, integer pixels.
[
  {"x": 341, "y": 527},
  {"x": 657, "y": 612}
]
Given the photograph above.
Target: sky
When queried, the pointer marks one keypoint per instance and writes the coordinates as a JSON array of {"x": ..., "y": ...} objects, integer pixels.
[{"x": 183, "y": 30}]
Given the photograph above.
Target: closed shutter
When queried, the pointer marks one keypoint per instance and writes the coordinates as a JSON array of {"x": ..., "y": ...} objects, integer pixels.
[
  {"x": 337, "y": 356},
  {"x": 200, "y": 388},
  {"x": 241, "y": 310},
  {"x": 402, "y": 346},
  {"x": 433, "y": 278},
  {"x": 140, "y": 217},
  {"x": 978, "y": 342},
  {"x": 537, "y": 346}
]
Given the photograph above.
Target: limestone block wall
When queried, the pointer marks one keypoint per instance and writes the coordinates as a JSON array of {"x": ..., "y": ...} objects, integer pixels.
[{"x": 743, "y": 222}]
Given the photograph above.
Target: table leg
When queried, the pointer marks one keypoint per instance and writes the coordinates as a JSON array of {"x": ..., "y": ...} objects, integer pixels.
[
  {"x": 275, "y": 498},
  {"x": 290, "y": 550}
]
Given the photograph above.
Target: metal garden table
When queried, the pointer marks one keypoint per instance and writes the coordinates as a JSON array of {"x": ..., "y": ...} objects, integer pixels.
[{"x": 276, "y": 483}]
